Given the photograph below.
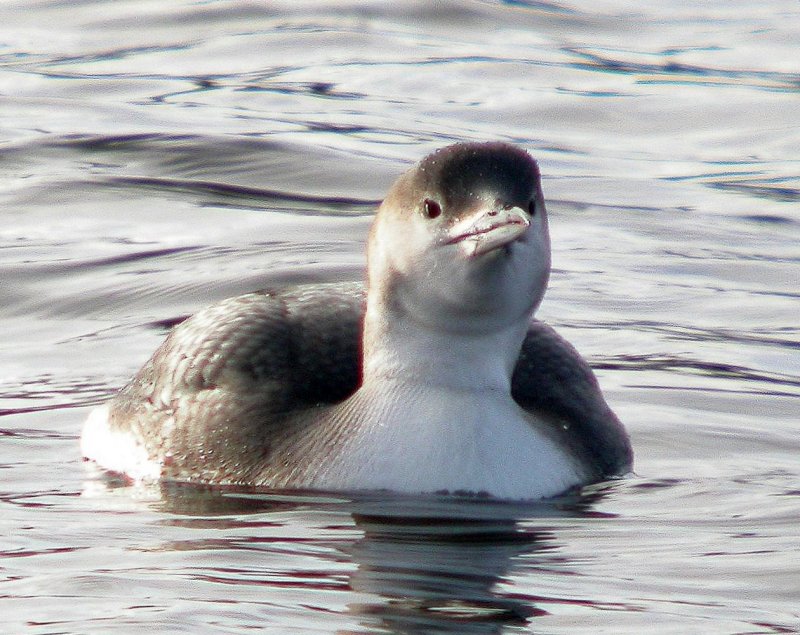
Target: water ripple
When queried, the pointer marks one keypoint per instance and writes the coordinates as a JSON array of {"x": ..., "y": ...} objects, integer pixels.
[{"x": 672, "y": 72}]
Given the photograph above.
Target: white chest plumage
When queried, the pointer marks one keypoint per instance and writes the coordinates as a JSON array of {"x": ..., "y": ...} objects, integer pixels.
[{"x": 417, "y": 439}]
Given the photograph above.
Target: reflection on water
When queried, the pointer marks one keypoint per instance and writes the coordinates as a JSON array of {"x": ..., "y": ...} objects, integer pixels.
[
  {"x": 155, "y": 158},
  {"x": 439, "y": 582},
  {"x": 413, "y": 564}
]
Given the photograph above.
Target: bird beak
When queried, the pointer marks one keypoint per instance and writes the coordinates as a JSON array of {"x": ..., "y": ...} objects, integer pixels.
[{"x": 487, "y": 230}]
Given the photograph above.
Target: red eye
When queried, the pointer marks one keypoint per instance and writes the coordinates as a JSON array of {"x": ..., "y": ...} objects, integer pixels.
[{"x": 431, "y": 209}]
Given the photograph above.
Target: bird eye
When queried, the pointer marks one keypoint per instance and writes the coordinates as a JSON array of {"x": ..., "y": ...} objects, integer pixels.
[
  {"x": 532, "y": 207},
  {"x": 431, "y": 208}
]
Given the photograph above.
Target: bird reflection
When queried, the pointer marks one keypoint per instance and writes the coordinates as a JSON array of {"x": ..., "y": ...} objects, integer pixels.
[
  {"x": 418, "y": 564},
  {"x": 439, "y": 575}
]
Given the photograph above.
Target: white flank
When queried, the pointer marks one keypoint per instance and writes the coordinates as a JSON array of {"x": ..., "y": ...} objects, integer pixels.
[{"x": 116, "y": 451}]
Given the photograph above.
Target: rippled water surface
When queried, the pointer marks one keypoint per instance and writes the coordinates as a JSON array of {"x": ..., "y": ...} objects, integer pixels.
[{"x": 155, "y": 157}]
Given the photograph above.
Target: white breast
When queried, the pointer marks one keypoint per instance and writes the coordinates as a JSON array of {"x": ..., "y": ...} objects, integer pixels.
[{"x": 428, "y": 440}]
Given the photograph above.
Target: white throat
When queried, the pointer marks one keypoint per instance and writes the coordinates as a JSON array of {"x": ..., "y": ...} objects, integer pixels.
[{"x": 400, "y": 350}]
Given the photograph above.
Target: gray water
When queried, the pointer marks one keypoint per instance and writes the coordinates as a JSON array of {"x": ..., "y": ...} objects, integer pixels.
[{"x": 156, "y": 157}]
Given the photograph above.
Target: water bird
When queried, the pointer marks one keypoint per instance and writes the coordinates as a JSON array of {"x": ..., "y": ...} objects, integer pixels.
[{"x": 436, "y": 378}]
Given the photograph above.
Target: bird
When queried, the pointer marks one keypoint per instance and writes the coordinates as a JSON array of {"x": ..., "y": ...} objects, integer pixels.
[{"x": 431, "y": 377}]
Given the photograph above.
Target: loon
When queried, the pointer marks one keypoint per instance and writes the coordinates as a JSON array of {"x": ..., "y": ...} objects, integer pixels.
[{"x": 436, "y": 378}]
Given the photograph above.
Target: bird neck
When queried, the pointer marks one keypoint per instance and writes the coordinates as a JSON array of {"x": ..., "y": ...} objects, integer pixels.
[{"x": 399, "y": 349}]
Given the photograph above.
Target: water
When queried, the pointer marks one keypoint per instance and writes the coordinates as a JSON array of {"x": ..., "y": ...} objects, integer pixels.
[{"x": 157, "y": 157}]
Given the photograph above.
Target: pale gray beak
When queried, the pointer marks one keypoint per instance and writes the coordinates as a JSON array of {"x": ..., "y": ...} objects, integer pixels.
[{"x": 487, "y": 230}]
